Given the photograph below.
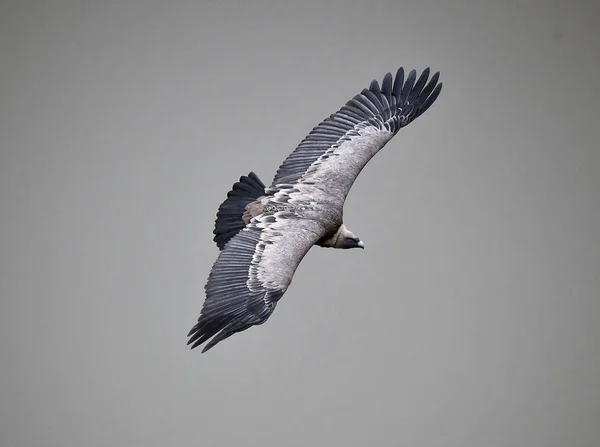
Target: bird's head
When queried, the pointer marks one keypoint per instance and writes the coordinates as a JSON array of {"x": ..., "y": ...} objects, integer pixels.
[{"x": 347, "y": 239}]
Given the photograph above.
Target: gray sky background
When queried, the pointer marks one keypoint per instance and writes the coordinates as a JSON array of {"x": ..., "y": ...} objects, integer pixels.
[{"x": 470, "y": 319}]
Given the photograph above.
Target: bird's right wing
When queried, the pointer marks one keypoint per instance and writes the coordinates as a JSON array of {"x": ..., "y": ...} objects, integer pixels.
[
  {"x": 252, "y": 273},
  {"x": 333, "y": 154}
]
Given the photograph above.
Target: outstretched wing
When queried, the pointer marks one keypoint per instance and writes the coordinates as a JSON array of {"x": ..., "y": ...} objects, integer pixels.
[
  {"x": 252, "y": 273},
  {"x": 334, "y": 153}
]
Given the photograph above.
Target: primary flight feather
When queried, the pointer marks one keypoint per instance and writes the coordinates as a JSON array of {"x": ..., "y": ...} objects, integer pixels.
[{"x": 264, "y": 232}]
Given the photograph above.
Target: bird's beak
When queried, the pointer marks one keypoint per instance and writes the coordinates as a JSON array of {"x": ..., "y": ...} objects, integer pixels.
[{"x": 361, "y": 245}]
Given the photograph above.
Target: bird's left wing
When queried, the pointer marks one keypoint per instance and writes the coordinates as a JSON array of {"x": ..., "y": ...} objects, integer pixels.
[{"x": 252, "y": 273}]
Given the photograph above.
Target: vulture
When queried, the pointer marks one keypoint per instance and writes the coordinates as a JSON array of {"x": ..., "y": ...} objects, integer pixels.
[{"x": 264, "y": 232}]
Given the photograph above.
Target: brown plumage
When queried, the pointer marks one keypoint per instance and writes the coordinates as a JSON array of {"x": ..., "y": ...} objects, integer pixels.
[{"x": 264, "y": 233}]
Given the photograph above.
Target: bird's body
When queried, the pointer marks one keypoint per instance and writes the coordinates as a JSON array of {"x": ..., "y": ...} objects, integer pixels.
[{"x": 264, "y": 232}]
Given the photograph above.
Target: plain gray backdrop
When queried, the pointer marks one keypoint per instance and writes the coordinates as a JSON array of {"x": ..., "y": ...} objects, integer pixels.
[{"x": 470, "y": 319}]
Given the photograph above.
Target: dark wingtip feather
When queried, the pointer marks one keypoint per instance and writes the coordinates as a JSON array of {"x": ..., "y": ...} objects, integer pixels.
[
  {"x": 430, "y": 99},
  {"x": 386, "y": 87},
  {"x": 205, "y": 329},
  {"x": 430, "y": 86},
  {"x": 398, "y": 83},
  {"x": 418, "y": 87},
  {"x": 374, "y": 87},
  {"x": 225, "y": 333},
  {"x": 219, "y": 337},
  {"x": 419, "y": 93},
  {"x": 408, "y": 85}
]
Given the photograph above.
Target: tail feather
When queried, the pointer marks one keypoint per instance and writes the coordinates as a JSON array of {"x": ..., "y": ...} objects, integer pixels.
[{"x": 229, "y": 217}]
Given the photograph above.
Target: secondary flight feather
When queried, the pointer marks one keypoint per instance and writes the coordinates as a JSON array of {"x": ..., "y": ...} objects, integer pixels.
[{"x": 264, "y": 232}]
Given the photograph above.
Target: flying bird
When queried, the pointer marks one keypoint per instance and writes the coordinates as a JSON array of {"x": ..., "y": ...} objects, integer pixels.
[{"x": 264, "y": 232}]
